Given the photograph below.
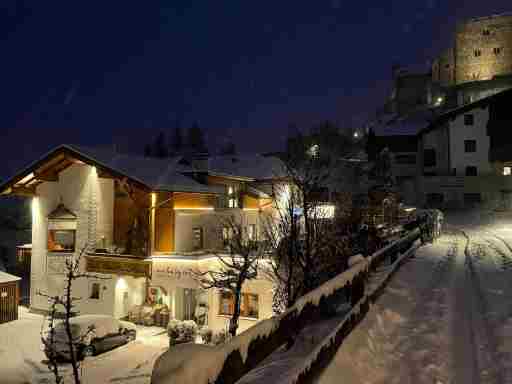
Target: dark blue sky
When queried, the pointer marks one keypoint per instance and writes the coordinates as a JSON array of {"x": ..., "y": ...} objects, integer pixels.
[{"x": 103, "y": 72}]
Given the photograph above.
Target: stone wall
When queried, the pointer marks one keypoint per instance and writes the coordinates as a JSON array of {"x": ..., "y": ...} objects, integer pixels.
[{"x": 475, "y": 43}]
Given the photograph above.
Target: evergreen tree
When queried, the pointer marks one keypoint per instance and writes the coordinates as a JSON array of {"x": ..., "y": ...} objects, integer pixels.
[
  {"x": 195, "y": 139},
  {"x": 371, "y": 145},
  {"x": 228, "y": 148},
  {"x": 177, "y": 141},
  {"x": 160, "y": 147},
  {"x": 147, "y": 150}
]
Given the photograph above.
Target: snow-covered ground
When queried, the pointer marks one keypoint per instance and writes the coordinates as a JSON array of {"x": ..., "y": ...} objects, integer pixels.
[
  {"x": 22, "y": 359},
  {"x": 446, "y": 316}
]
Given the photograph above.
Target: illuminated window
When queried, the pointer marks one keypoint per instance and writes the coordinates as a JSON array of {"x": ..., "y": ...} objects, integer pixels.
[
  {"x": 227, "y": 235},
  {"x": 507, "y": 171},
  {"x": 251, "y": 232},
  {"x": 249, "y": 305},
  {"x": 95, "y": 291},
  {"x": 232, "y": 197},
  {"x": 61, "y": 240}
]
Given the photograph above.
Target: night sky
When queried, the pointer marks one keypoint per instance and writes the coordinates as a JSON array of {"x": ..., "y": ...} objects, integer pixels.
[{"x": 119, "y": 72}]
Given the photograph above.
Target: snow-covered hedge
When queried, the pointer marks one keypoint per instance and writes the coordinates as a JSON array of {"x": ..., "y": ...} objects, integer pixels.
[
  {"x": 226, "y": 363},
  {"x": 181, "y": 331}
]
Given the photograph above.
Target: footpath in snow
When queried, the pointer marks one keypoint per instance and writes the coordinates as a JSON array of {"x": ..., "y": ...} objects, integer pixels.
[{"x": 446, "y": 316}]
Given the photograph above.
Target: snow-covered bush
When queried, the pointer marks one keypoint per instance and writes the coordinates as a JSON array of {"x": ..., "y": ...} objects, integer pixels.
[
  {"x": 181, "y": 331},
  {"x": 220, "y": 337},
  {"x": 206, "y": 335}
]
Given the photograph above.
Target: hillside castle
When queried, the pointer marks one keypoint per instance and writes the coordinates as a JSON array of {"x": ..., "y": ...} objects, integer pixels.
[{"x": 478, "y": 64}]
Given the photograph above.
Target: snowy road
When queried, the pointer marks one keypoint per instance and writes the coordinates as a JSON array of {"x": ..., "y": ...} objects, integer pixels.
[{"x": 446, "y": 317}]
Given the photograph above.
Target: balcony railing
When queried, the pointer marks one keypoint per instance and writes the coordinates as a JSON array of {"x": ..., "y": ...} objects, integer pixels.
[{"x": 118, "y": 265}]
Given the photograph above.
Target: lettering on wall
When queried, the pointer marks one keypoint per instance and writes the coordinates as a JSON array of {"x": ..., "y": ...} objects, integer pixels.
[{"x": 174, "y": 272}]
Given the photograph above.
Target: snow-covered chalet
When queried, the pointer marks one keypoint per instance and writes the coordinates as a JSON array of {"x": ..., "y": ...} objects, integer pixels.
[{"x": 146, "y": 223}]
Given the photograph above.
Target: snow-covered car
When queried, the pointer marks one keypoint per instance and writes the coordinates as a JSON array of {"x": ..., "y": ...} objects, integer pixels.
[{"x": 92, "y": 334}]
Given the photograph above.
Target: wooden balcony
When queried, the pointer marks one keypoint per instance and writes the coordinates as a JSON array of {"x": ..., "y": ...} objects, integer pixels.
[{"x": 118, "y": 265}]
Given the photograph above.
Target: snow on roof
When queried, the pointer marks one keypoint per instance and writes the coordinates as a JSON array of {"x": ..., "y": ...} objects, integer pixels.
[
  {"x": 256, "y": 166},
  {"x": 157, "y": 174},
  {"x": 409, "y": 125},
  {"x": 8, "y": 278}
]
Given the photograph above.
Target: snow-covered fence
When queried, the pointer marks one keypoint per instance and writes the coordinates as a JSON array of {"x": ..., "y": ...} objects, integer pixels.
[{"x": 227, "y": 363}]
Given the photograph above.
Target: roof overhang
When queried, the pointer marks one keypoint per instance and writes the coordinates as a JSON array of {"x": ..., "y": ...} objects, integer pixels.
[{"x": 48, "y": 167}]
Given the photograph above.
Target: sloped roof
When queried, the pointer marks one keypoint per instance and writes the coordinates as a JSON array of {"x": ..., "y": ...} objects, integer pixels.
[
  {"x": 408, "y": 125},
  {"x": 8, "y": 278},
  {"x": 452, "y": 114},
  {"x": 255, "y": 167},
  {"x": 155, "y": 174},
  {"x": 397, "y": 143}
]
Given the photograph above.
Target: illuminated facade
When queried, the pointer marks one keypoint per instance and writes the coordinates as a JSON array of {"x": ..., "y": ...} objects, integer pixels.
[{"x": 146, "y": 224}]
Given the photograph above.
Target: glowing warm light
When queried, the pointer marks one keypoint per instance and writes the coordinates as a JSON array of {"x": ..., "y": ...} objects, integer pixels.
[
  {"x": 314, "y": 150},
  {"x": 409, "y": 209},
  {"x": 507, "y": 171},
  {"x": 230, "y": 190},
  {"x": 35, "y": 207},
  {"x": 121, "y": 284},
  {"x": 153, "y": 199},
  {"x": 323, "y": 211},
  {"x": 356, "y": 135},
  {"x": 251, "y": 209},
  {"x": 26, "y": 179}
]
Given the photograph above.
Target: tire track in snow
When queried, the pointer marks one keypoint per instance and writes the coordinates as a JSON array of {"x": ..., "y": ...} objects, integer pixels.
[
  {"x": 419, "y": 359},
  {"x": 483, "y": 338}
]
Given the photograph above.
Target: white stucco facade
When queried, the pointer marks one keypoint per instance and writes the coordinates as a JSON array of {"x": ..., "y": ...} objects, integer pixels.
[
  {"x": 459, "y": 132},
  {"x": 91, "y": 199},
  {"x": 174, "y": 275}
]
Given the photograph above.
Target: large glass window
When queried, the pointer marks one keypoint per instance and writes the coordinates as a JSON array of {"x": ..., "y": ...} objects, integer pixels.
[
  {"x": 249, "y": 304},
  {"x": 61, "y": 240}
]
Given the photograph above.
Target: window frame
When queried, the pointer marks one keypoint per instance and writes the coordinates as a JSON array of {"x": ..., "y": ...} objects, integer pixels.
[
  {"x": 244, "y": 304},
  {"x": 91, "y": 290},
  {"x": 432, "y": 157},
  {"x": 471, "y": 167},
  {"x": 470, "y": 146},
  {"x": 469, "y": 119},
  {"x": 73, "y": 231}
]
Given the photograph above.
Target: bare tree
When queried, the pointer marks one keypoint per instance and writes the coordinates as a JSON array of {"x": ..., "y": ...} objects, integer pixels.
[
  {"x": 237, "y": 266},
  {"x": 66, "y": 302},
  {"x": 308, "y": 241},
  {"x": 282, "y": 231}
]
